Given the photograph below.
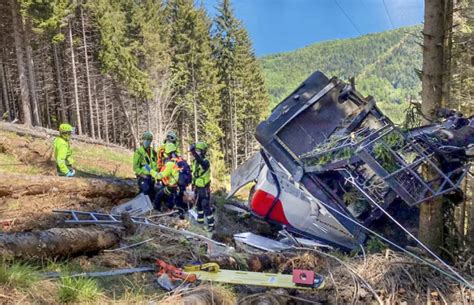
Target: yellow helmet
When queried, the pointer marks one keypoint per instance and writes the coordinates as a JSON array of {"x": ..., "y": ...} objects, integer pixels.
[
  {"x": 169, "y": 148},
  {"x": 65, "y": 128}
]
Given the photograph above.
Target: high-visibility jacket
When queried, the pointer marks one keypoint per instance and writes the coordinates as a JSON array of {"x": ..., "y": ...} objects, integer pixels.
[
  {"x": 141, "y": 158},
  {"x": 161, "y": 153},
  {"x": 201, "y": 177},
  {"x": 62, "y": 155},
  {"x": 169, "y": 173}
]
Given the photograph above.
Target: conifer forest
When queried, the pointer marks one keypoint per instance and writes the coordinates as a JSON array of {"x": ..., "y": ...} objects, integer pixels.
[{"x": 114, "y": 69}]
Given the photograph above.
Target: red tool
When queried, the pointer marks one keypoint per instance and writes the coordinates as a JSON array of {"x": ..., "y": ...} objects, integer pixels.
[
  {"x": 173, "y": 272},
  {"x": 303, "y": 277}
]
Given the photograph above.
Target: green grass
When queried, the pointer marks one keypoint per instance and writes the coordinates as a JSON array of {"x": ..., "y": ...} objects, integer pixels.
[
  {"x": 90, "y": 151},
  {"x": 90, "y": 159},
  {"x": 103, "y": 161},
  {"x": 18, "y": 275},
  {"x": 78, "y": 289},
  {"x": 10, "y": 164},
  {"x": 61, "y": 266}
]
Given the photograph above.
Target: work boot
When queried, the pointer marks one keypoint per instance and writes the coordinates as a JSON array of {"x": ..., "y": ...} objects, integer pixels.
[
  {"x": 200, "y": 217},
  {"x": 210, "y": 223}
]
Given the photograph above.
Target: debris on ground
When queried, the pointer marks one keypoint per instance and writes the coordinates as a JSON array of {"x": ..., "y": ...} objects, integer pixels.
[{"x": 120, "y": 250}]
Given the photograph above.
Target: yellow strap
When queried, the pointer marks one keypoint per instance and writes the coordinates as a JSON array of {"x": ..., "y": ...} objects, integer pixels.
[{"x": 209, "y": 267}]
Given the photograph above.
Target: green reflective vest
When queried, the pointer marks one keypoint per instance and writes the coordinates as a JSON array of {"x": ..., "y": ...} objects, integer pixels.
[
  {"x": 62, "y": 155},
  {"x": 142, "y": 158},
  {"x": 201, "y": 178},
  {"x": 169, "y": 173}
]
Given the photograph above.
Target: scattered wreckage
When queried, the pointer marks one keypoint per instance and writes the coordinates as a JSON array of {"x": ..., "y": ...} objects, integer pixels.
[
  {"x": 332, "y": 165},
  {"x": 170, "y": 277},
  {"x": 331, "y": 171}
]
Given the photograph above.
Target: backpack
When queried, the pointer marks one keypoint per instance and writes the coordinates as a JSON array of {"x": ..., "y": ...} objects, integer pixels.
[{"x": 185, "y": 176}]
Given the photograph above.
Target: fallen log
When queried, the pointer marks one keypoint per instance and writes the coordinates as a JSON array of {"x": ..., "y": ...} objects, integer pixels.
[
  {"x": 58, "y": 242},
  {"x": 44, "y": 133},
  {"x": 16, "y": 185}
]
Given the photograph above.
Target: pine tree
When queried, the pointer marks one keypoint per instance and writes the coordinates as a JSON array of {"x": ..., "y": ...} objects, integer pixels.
[
  {"x": 117, "y": 50},
  {"x": 224, "y": 52},
  {"x": 242, "y": 91},
  {"x": 253, "y": 105},
  {"x": 148, "y": 19},
  {"x": 193, "y": 72}
]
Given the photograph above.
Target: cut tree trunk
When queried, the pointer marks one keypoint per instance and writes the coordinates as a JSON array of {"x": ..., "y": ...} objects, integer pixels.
[
  {"x": 17, "y": 185},
  {"x": 58, "y": 242}
]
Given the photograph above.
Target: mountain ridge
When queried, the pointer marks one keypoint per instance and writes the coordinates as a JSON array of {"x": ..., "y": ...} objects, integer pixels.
[{"x": 384, "y": 65}]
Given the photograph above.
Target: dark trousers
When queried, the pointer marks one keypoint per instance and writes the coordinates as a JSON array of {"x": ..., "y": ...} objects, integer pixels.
[
  {"x": 180, "y": 199},
  {"x": 203, "y": 205},
  {"x": 165, "y": 195},
  {"x": 146, "y": 184}
]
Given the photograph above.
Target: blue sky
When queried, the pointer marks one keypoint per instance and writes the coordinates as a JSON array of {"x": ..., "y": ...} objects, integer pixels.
[{"x": 284, "y": 25}]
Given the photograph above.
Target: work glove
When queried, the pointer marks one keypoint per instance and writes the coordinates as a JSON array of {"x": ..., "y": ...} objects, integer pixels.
[
  {"x": 192, "y": 147},
  {"x": 71, "y": 173}
]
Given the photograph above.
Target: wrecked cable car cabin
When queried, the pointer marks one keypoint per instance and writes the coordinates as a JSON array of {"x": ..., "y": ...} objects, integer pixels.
[{"x": 332, "y": 165}]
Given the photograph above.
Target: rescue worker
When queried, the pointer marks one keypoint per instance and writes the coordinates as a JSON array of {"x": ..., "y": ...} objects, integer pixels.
[
  {"x": 171, "y": 137},
  {"x": 201, "y": 182},
  {"x": 144, "y": 162},
  {"x": 167, "y": 192},
  {"x": 63, "y": 151}
]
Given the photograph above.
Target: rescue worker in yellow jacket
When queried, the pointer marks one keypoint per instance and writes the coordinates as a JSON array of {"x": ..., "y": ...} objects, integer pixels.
[
  {"x": 201, "y": 171},
  {"x": 63, "y": 151},
  {"x": 171, "y": 137},
  {"x": 144, "y": 162},
  {"x": 168, "y": 176}
]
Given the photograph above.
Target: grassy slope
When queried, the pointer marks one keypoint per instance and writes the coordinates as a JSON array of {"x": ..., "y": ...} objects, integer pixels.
[
  {"x": 383, "y": 63},
  {"x": 90, "y": 159},
  {"x": 20, "y": 281}
]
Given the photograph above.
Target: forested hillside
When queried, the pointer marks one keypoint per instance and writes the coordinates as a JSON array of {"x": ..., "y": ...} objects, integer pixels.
[
  {"x": 384, "y": 65},
  {"x": 115, "y": 68}
]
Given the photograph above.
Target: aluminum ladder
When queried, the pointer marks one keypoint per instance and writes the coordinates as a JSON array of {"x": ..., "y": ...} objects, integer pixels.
[{"x": 79, "y": 217}]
